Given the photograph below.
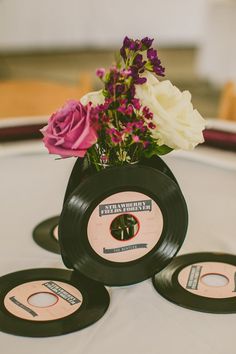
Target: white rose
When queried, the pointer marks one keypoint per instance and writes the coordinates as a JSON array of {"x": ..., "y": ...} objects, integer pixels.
[
  {"x": 179, "y": 126},
  {"x": 96, "y": 97}
]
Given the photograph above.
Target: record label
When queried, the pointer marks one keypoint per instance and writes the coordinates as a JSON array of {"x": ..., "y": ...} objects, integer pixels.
[
  {"x": 192, "y": 278},
  {"x": 68, "y": 299},
  {"x": 129, "y": 223}
]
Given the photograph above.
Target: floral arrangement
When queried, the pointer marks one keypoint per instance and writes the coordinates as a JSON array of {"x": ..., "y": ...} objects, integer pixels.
[{"x": 135, "y": 115}]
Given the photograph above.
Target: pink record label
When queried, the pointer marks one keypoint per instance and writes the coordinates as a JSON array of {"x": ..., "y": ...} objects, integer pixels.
[
  {"x": 125, "y": 226},
  {"x": 196, "y": 278},
  {"x": 68, "y": 299},
  {"x": 55, "y": 233}
]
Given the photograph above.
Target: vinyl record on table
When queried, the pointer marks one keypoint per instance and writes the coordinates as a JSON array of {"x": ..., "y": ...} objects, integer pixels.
[
  {"x": 200, "y": 281},
  {"x": 76, "y": 302},
  {"x": 122, "y": 225},
  {"x": 45, "y": 235}
]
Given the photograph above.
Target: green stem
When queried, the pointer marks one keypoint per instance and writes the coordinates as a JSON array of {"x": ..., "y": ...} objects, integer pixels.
[
  {"x": 135, "y": 150},
  {"x": 93, "y": 157}
]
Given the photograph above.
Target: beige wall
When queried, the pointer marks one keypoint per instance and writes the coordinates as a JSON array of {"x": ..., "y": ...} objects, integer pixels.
[{"x": 27, "y": 24}]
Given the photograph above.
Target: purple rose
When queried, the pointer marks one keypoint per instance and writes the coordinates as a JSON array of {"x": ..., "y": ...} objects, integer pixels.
[{"x": 71, "y": 130}]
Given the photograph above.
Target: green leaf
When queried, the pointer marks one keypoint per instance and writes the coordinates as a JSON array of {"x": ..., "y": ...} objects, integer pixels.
[
  {"x": 149, "y": 66},
  {"x": 118, "y": 60},
  {"x": 157, "y": 150},
  {"x": 105, "y": 93},
  {"x": 163, "y": 150},
  {"x": 107, "y": 77}
]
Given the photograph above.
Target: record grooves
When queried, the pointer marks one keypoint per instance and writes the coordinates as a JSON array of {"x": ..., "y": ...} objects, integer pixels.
[
  {"x": 82, "y": 169},
  {"x": 81, "y": 302},
  {"x": 183, "y": 282},
  {"x": 78, "y": 240}
]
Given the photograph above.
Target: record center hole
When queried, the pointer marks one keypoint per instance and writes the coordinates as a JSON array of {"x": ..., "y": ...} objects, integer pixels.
[
  {"x": 42, "y": 299},
  {"x": 214, "y": 279},
  {"x": 124, "y": 227}
]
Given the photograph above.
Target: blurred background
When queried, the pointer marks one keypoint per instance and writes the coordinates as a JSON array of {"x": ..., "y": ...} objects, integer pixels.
[{"x": 56, "y": 44}]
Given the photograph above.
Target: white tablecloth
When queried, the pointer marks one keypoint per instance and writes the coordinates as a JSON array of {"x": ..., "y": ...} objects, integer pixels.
[{"x": 138, "y": 320}]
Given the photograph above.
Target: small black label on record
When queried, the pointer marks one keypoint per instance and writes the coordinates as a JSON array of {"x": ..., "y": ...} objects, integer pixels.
[{"x": 193, "y": 277}]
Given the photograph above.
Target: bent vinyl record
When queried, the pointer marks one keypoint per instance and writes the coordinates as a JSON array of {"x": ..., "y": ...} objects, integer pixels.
[
  {"x": 123, "y": 224},
  {"x": 82, "y": 169}
]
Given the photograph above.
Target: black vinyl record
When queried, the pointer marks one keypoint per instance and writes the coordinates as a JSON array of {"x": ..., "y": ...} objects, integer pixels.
[
  {"x": 45, "y": 235},
  {"x": 79, "y": 302},
  {"x": 200, "y": 281},
  {"x": 82, "y": 168},
  {"x": 122, "y": 225}
]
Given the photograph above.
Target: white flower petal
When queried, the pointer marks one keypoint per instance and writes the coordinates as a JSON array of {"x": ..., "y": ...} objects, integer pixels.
[
  {"x": 95, "y": 97},
  {"x": 179, "y": 126}
]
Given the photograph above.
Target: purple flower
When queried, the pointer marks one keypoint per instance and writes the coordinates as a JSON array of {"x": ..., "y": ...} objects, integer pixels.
[
  {"x": 158, "y": 69},
  {"x": 125, "y": 110},
  {"x": 126, "y": 72},
  {"x": 147, "y": 114},
  {"x": 129, "y": 127},
  {"x": 130, "y": 44},
  {"x": 105, "y": 106},
  {"x": 70, "y": 131},
  {"x": 120, "y": 88},
  {"x": 137, "y": 45},
  {"x": 123, "y": 53},
  {"x": 122, "y": 109},
  {"x": 151, "y": 53},
  {"x": 137, "y": 65},
  {"x": 135, "y": 75},
  {"x": 140, "y": 80},
  {"x": 110, "y": 88},
  {"x": 146, "y": 42},
  {"x": 127, "y": 42},
  {"x": 129, "y": 110},
  {"x": 138, "y": 124},
  {"x": 155, "y": 62},
  {"x": 138, "y": 61},
  {"x": 132, "y": 91},
  {"x": 151, "y": 125},
  {"x": 134, "y": 71},
  {"x": 100, "y": 72},
  {"x": 116, "y": 136},
  {"x": 123, "y": 101},
  {"x": 136, "y": 103}
]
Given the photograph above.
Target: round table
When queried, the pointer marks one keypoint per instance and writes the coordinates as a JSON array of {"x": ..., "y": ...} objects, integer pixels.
[{"x": 139, "y": 320}]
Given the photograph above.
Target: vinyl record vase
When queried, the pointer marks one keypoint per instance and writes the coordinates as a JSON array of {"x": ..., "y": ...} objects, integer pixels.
[{"x": 122, "y": 224}]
